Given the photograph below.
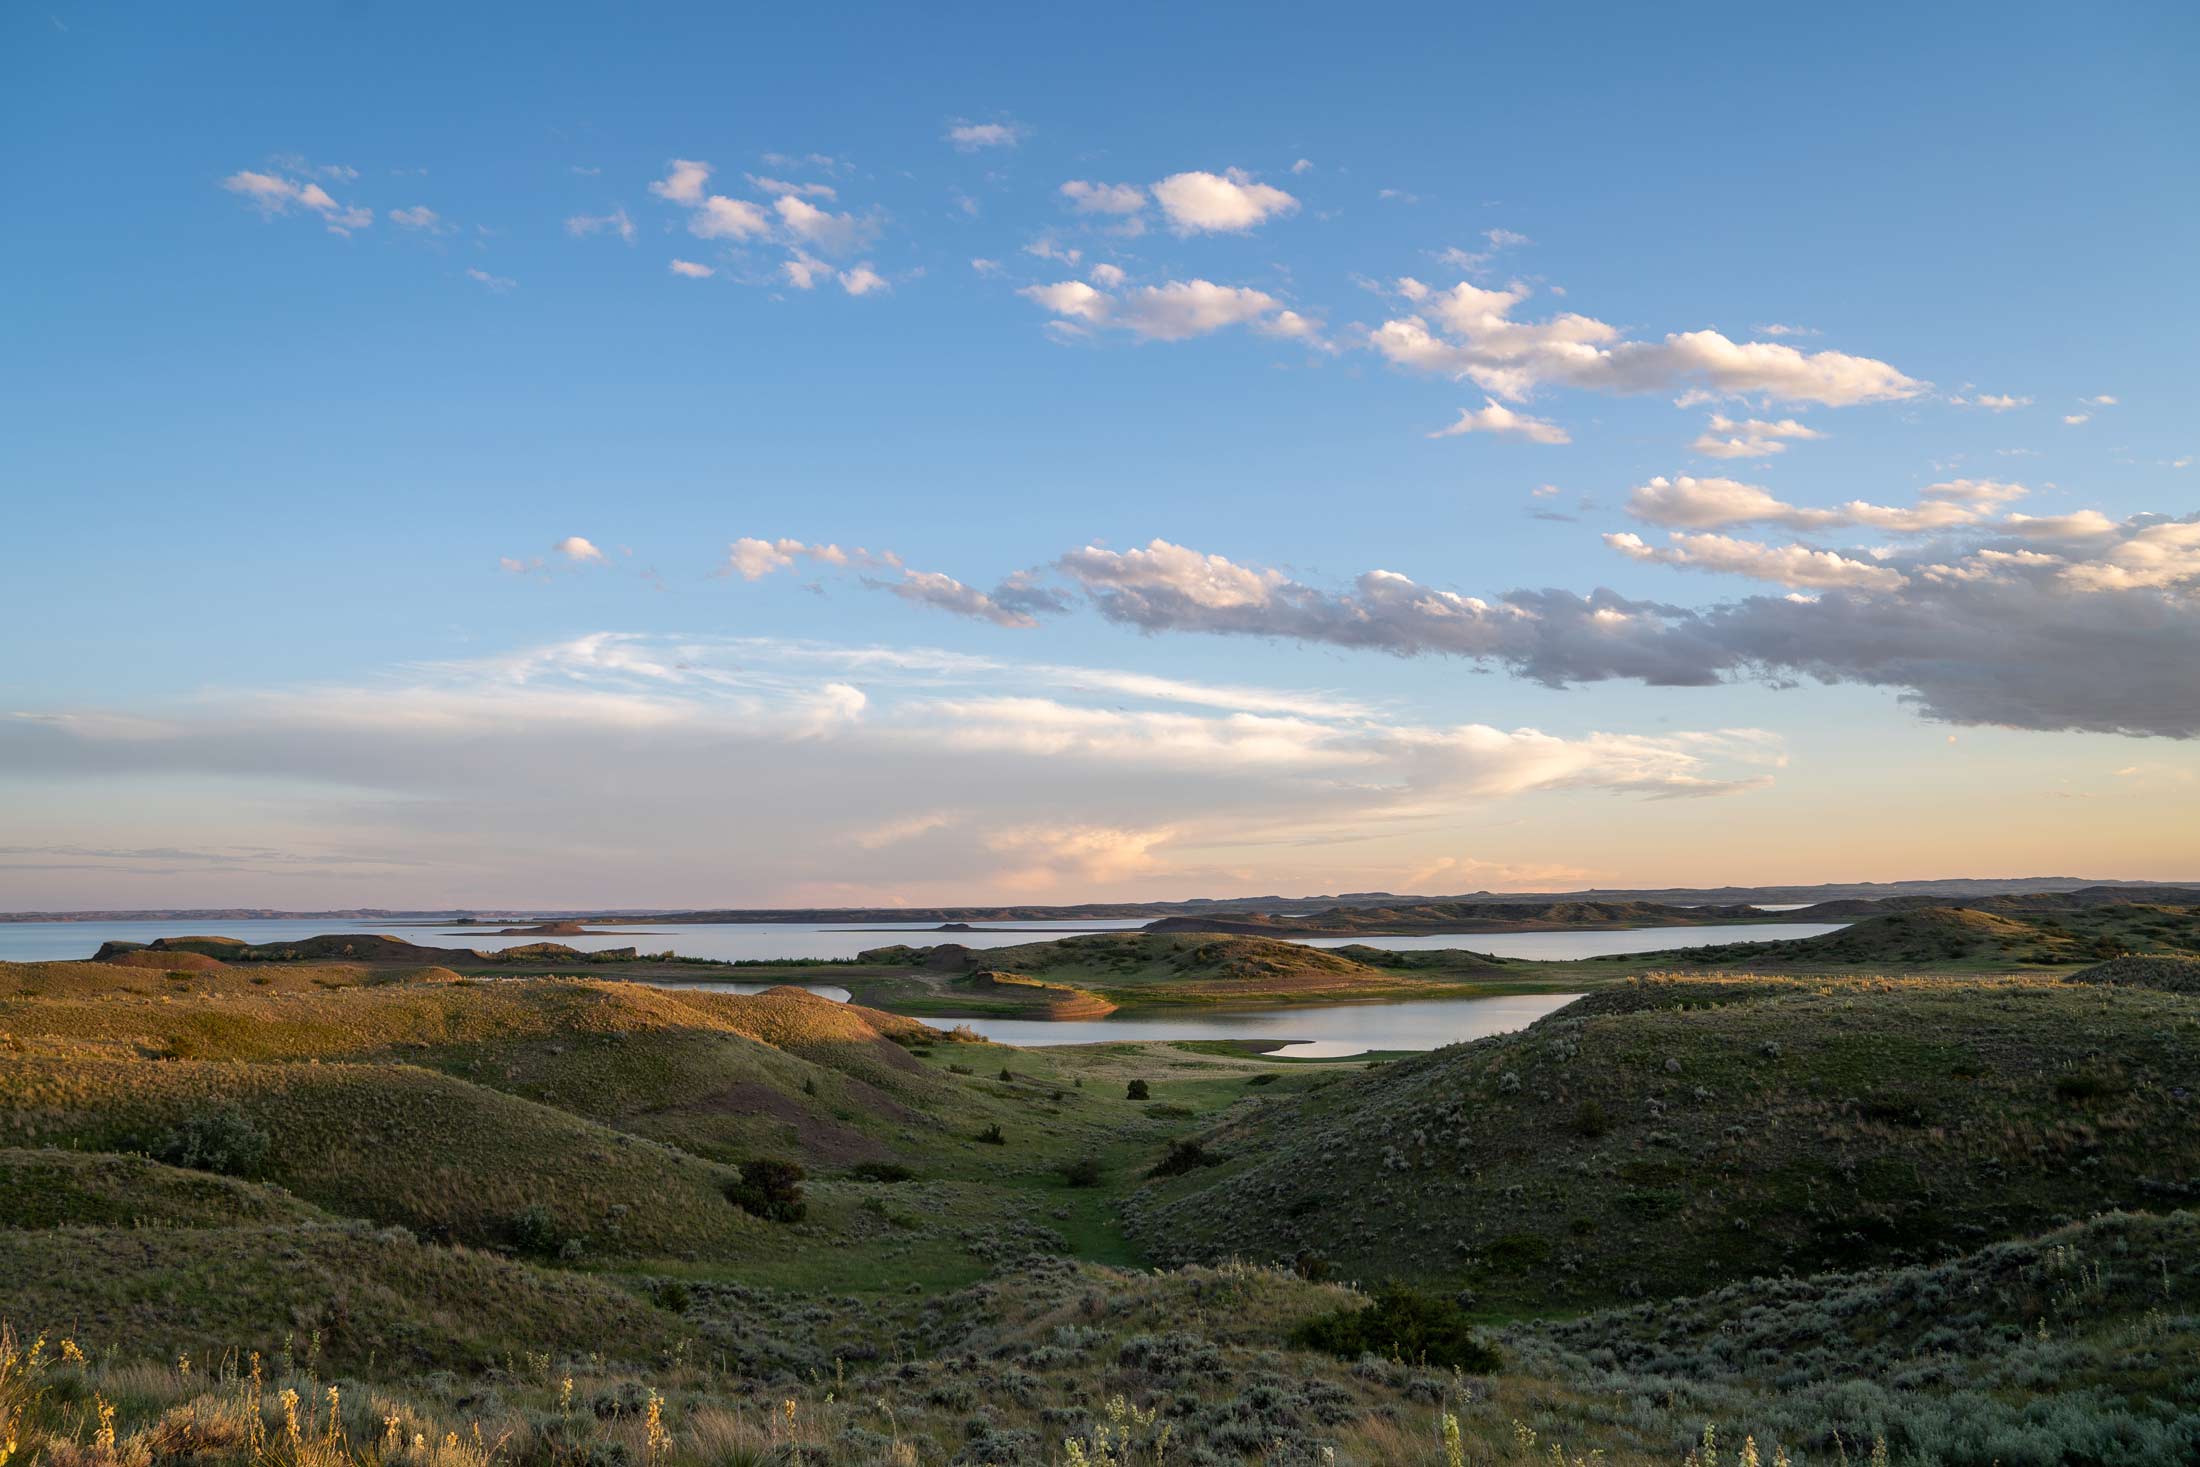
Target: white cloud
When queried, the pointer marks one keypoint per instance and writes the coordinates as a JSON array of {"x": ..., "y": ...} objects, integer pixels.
[
  {"x": 1690, "y": 503},
  {"x": 804, "y": 271},
  {"x": 273, "y": 194},
  {"x": 1785, "y": 565},
  {"x": 2155, "y": 555},
  {"x": 1230, "y": 202},
  {"x": 1175, "y": 311},
  {"x": 1480, "y": 341},
  {"x": 945, "y": 593},
  {"x": 578, "y": 549},
  {"x": 692, "y": 270},
  {"x": 984, "y": 266},
  {"x": 820, "y": 228},
  {"x": 1750, "y": 437},
  {"x": 616, "y": 222},
  {"x": 1108, "y": 276},
  {"x": 971, "y": 137},
  {"x": 862, "y": 280},
  {"x": 1499, "y": 419},
  {"x": 419, "y": 217},
  {"x": 497, "y": 283},
  {"x": 753, "y": 559},
  {"x": 781, "y": 186},
  {"x": 1993, "y": 402},
  {"x": 683, "y": 184},
  {"x": 1104, "y": 198},
  {"x": 719, "y": 217},
  {"x": 1304, "y": 165}
]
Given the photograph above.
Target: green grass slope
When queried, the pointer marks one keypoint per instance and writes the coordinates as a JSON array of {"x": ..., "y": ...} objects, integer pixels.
[
  {"x": 726, "y": 1075},
  {"x": 2072, "y": 1347},
  {"x": 357, "y": 1294},
  {"x": 396, "y": 1144},
  {"x": 46, "y": 1188},
  {"x": 1666, "y": 1135}
]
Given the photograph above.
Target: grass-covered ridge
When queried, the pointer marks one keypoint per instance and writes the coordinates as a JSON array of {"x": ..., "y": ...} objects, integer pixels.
[
  {"x": 1151, "y": 969},
  {"x": 1659, "y": 1136}
]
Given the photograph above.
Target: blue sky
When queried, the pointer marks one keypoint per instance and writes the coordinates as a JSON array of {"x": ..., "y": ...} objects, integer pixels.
[{"x": 1832, "y": 376}]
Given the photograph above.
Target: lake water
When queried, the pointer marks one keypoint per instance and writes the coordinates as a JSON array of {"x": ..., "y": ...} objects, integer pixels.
[
  {"x": 1325, "y": 1032},
  {"x": 44, "y": 941}
]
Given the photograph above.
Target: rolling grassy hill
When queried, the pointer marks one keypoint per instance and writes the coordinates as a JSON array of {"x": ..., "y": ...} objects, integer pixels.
[
  {"x": 1961, "y": 938},
  {"x": 1463, "y": 917},
  {"x": 1668, "y": 1134},
  {"x": 1152, "y": 968}
]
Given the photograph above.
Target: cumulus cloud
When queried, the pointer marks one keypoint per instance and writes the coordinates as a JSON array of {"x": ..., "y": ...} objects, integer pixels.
[
  {"x": 945, "y": 593},
  {"x": 1219, "y": 203},
  {"x": 1174, "y": 311},
  {"x": 578, "y": 549},
  {"x": 2110, "y": 642},
  {"x": 972, "y": 137},
  {"x": 1785, "y": 565},
  {"x": 683, "y": 182},
  {"x": 691, "y": 269},
  {"x": 782, "y": 186},
  {"x": 1750, "y": 437},
  {"x": 862, "y": 280},
  {"x": 1993, "y": 402},
  {"x": 753, "y": 559},
  {"x": 420, "y": 218},
  {"x": 1117, "y": 199},
  {"x": 1688, "y": 503},
  {"x": 820, "y": 228},
  {"x": 497, "y": 283},
  {"x": 580, "y": 226},
  {"x": 1474, "y": 336},
  {"x": 719, "y": 217},
  {"x": 1496, "y": 418},
  {"x": 273, "y": 193}
]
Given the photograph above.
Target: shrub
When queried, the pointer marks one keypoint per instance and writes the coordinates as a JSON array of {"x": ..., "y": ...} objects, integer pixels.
[
  {"x": 1008, "y": 1074},
  {"x": 881, "y": 1171},
  {"x": 960, "y": 1070},
  {"x": 992, "y": 1136},
  {"x": 1083, "y": 1172},
  {"x": 1404, "y": 1323},
  {"x": 1589, "y": 1120},
  {"x": 770, "y": 1188},
  {"x": 1138, "y": 1090},
  {"x": 534, "y": 1229},
  {"x": 1185, "y": 1154},
  {"x": 220, "y": 1140},
  {"x": 1268, "y": 1079}
]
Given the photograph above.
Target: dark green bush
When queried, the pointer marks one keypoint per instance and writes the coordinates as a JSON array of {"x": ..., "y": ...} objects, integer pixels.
[
  {"x": 770, "y": 1188},
  {"x": 1138, "y": 1090},
  {"x": 223, "y": 1140},
  {"x": 534, "y": 1229},
  {"x": 881, "y": 1171},
  {"x": 1185, "y": 1154},
  {"x": 1268, "y": 1079},
  {"x": 992, "y": 1136},
  {"x": 1401, "y": 1322},
  {"x": 1589, "y": 1120},
  {"x": 1083, "y": 1172}
]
